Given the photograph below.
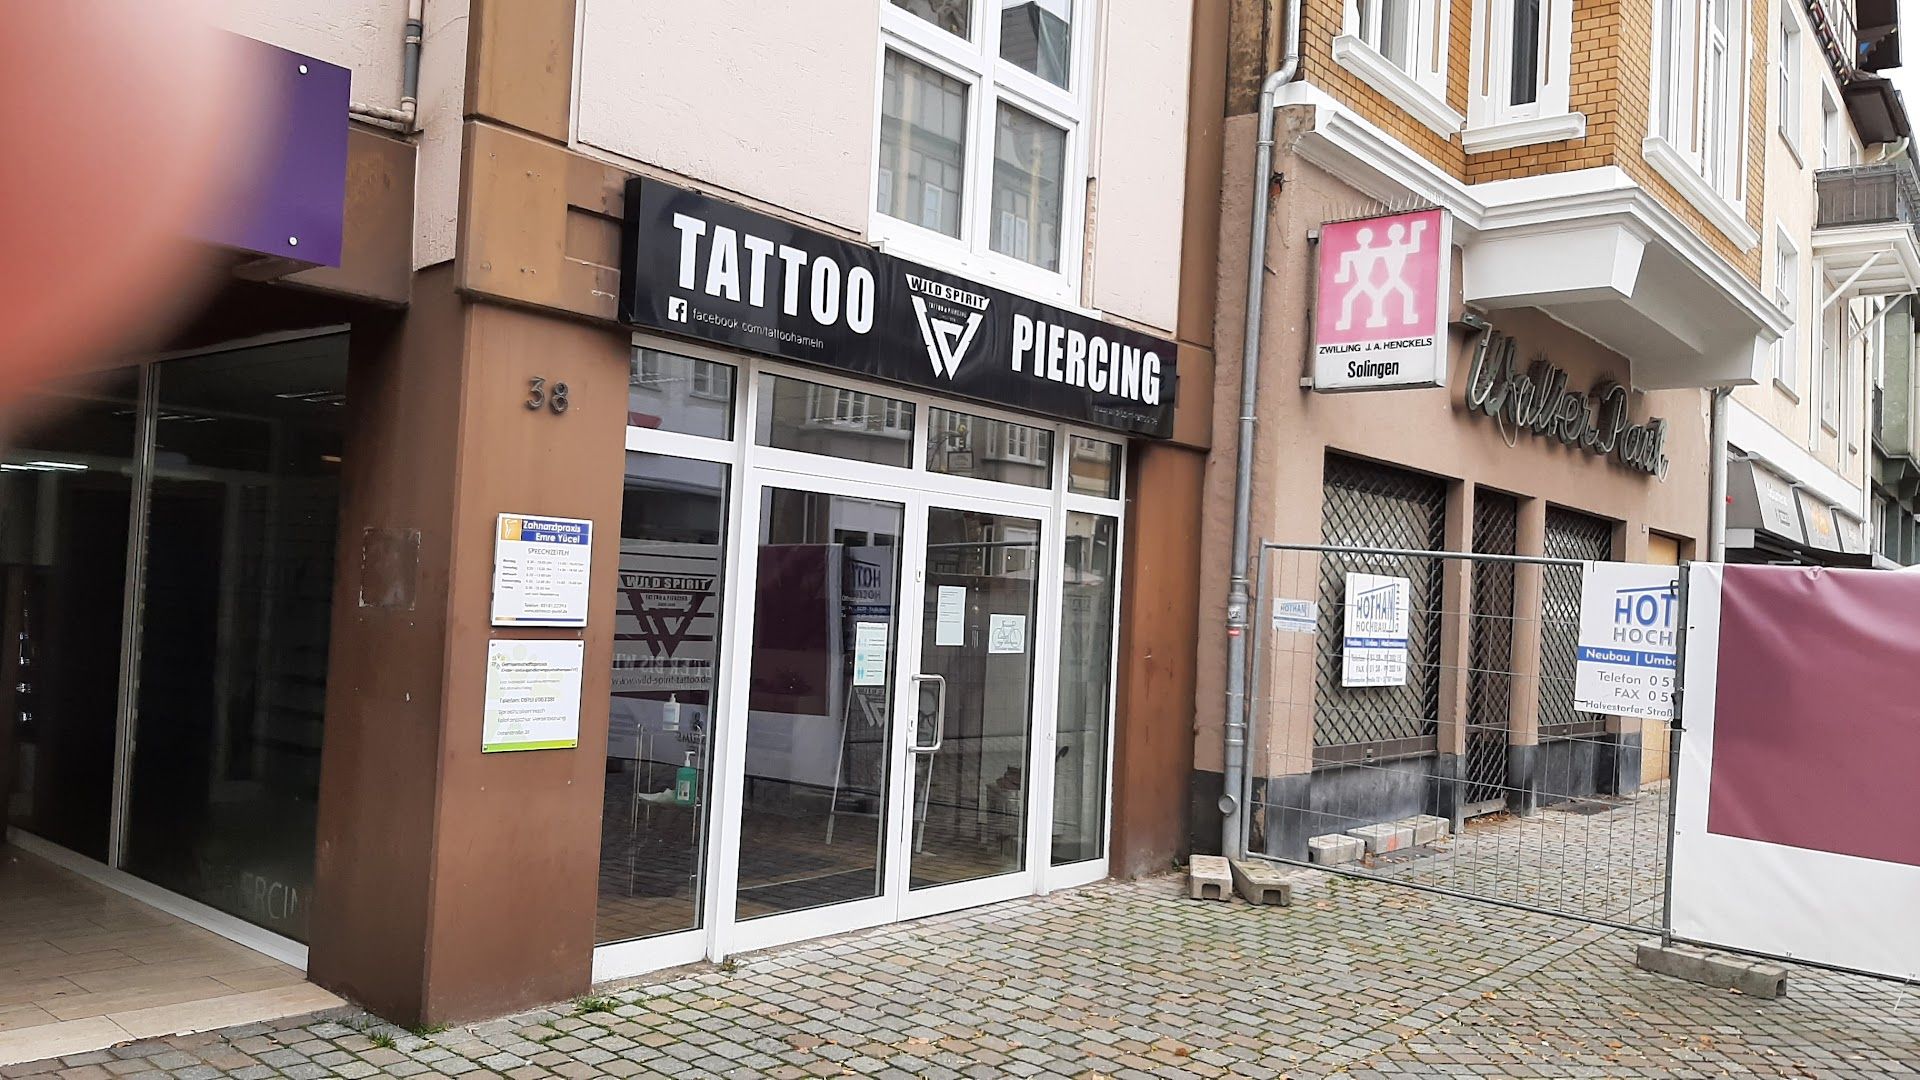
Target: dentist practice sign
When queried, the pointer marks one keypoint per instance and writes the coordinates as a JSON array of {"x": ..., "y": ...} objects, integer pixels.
[{"x": 1629, "y": 629}]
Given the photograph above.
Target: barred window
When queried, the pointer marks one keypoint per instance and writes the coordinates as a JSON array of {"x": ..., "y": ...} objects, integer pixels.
[{"x": 1368, "y": 505}]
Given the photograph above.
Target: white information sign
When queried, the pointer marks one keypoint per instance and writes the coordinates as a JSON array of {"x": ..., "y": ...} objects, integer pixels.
[
  {"x": 950, "y": 616},
  {"x": 540, "y": 570},
  {"x": 1006, "y": 633},
  {"x": 1628, "y": 638},
  {"x": 533, "y": 695},
  {"x": 1295, "y": 616},
  {"x": 1374, "y": 651},
  {"x": 869, "y": 654}
]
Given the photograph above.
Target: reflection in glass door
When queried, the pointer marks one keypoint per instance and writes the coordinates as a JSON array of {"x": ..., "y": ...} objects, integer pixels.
[
  {"x": 974, "y": 697},
  {"x": 234, "y": 627},
  {"x": 820, "y": 693},
  {"x": 65, "y": 491}
]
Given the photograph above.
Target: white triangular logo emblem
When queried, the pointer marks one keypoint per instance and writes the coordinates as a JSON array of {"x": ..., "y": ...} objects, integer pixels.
[{"x": 946, "y": 339}]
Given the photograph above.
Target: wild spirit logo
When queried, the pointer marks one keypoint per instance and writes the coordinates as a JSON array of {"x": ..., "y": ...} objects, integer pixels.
[{"x": 949, "y": 319}]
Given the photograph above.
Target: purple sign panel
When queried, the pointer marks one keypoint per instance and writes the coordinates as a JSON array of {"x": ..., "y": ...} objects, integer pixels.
[{"x": 290, "y": 166}]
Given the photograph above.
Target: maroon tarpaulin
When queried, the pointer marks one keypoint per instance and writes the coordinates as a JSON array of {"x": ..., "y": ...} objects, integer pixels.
[{"x": 1816, "y": 733}]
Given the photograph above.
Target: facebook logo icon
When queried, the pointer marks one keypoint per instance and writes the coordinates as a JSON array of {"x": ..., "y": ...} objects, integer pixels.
[{"x": 677, "y": 308}]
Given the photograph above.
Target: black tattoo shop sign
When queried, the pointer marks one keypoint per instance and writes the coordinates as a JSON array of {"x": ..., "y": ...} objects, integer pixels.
[{"x": 703, "y": 268}]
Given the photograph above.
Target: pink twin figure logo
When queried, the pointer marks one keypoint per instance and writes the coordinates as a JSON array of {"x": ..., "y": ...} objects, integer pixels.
[{"x": 1360, "y": 271}]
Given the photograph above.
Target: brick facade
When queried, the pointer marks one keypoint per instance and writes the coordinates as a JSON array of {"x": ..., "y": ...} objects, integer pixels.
[{"x": 1611, "y": 85}]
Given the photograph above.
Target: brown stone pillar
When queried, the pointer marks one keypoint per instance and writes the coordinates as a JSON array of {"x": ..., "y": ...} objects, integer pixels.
[
  {"x": 1159, "y": 605},
  {"x": 1456, "y": 606},
  {"x": 1523, "y": 717},
  {"x": 452, "y": 885}
]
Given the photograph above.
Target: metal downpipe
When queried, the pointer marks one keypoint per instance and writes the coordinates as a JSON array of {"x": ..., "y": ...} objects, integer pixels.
[
  {"x": 1233, "y": 778},
  {"x": 1717, "y": 475}
]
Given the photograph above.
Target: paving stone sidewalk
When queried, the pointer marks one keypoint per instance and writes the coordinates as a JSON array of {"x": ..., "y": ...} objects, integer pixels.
[{"x": 1129, "y": 980}]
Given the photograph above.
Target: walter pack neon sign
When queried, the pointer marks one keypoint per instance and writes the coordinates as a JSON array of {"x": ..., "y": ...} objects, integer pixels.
[{"x": 1538, "y": 401}]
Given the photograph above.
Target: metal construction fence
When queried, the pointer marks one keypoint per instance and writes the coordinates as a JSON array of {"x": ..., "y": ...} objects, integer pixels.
[{"x": 1466, "y": 769}]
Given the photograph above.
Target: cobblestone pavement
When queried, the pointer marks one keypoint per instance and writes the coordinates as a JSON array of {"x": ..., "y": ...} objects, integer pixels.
[
  {"x": 1358, "y": 978},
  {"x": 1599, "y": 857}
]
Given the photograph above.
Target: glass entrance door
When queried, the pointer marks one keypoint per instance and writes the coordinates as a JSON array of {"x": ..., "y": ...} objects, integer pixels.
[
  {"x": 890, "y": 708},
  {"x": 971, "y": 748}
]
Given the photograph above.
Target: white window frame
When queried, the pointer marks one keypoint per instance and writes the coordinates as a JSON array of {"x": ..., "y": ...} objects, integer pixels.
[
  {"x": 753, "y": 466},
  {"x": 1788, "y": 287},
  {"x": 1826, "y": 385},
  {"x": 1688, "y": 145},
  {"x": 1421, "y": 87},
  {"x": 1788, "y": 78},
  {"x": 1494, "y": 122},
  {"x": 991, "y": 82}
]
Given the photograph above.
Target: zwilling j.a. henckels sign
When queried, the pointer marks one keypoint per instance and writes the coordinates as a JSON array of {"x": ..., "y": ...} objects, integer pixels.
[
  {"x": 1383, "y": 286},
  {"x": 703, "y": 268}
]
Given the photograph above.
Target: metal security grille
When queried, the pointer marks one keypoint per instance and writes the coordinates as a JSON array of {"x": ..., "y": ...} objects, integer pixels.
[
  {"x": 1496, "y": 531},
  {"x": 1376, "y": 506},
  {"x": 1570, "y": 535}
]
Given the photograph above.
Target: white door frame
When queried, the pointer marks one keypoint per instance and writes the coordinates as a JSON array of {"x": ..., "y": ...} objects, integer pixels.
[{"x": 915, "y": 489}]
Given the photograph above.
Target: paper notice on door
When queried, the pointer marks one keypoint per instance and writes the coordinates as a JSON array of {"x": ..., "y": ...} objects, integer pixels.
[
  {"x": 1006, "y": 633},
  {"x": 950, "y": 616},
  {"x": 869, "y": 654}
]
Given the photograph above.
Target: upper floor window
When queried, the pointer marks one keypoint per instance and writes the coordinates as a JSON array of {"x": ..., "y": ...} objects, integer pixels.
[
  {"x": 1786, "y": 69},
  {"x": 1698, "y": 89},
  {"x": 1400, "y": 48},
  {"x": 1522, "y": 52},
  {"x": 1698, "y": 103},
  {"x": 1786, "y": 293},
  {"x": 982, "y": 121}
]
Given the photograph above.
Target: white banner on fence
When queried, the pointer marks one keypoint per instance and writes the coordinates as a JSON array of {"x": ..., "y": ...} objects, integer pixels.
[
  {"x": 1778, "y": 850},
  {"x": 1628, "y": 629},
  {"x": 1375, "y": 650}
]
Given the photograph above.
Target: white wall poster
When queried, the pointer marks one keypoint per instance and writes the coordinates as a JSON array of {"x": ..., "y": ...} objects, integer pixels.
[
  {"x": 1006, "y": 633},
  {"x": 950, "y": 616},
  {"x": 533, "y": 695},
  {"x": 541, "y": 567},
  {"x": 869, "y": 654},
  {"x": 1295, "y": 616},
  {"x": 1374, "y": 651},
  {"x": 1628, "y": 636}
]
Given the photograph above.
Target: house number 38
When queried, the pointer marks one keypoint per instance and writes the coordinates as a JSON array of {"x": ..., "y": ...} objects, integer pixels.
[{"x": 541, "y": 396}]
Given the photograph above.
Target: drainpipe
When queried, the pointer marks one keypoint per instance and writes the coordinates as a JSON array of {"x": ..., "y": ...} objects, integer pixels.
[
  {"x": 1232, "y": 807},
  {"x": 403, "y": 118},
  {"x": 1717, "y": 475}
]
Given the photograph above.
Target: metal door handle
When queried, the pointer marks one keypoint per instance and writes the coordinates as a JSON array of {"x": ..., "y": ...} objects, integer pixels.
[{"x": 939, "y": 713}]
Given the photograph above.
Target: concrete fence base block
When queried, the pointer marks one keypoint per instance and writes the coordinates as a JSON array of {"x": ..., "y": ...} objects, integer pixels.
[
  {"x": 1333, "y": 849},
  {"x": 1261, "y": 883},
  {"x": 1427, "y": 829},
  {"x": 1209, "y": 878},
  {"x": 1384, "y": 837},
  {"x": 1754, "y": 978}
]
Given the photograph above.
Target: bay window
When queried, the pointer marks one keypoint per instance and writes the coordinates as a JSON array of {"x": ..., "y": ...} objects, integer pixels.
[
  {"x": 1520, "y": 75},
  {"x": 1400, "y": 48},
  {"x": 981, "y": 149},
  {"x": 1698, "y": 103}
]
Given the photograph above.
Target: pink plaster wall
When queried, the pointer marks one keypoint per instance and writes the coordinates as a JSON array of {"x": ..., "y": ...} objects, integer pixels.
[{"x": 1427, "y": 430}]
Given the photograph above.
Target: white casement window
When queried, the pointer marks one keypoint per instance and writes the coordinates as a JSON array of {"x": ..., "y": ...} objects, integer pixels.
[
  {"x": 1521, "y": 59},
  {"x": 1699, "y": 99},
  {"x": 981, "y": 144},
  {"x": 1786, "y": 295},
  {"x": 1786, "y": 76},
  {"x": 1834, "y": 151},
  {"x": 1399, "y": 47},
  {"x": 1833, "y": 344}
]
